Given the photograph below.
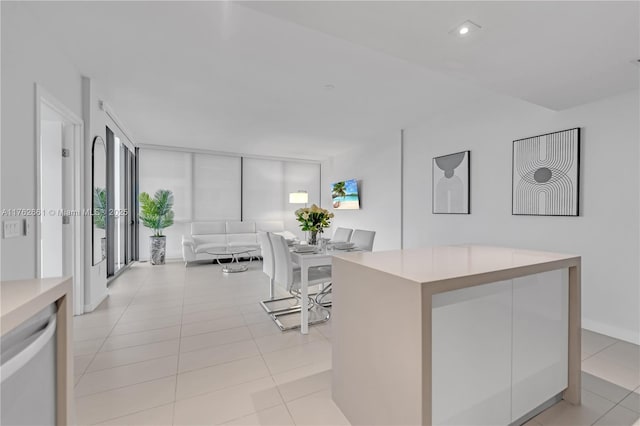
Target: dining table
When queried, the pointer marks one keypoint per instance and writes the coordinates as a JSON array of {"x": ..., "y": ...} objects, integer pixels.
[{"x": 306, "y": 260}]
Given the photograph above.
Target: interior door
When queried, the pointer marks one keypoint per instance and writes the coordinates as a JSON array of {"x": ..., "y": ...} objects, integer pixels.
[
  {"x": 51, "y": 184},
  {"x": 56, "y": 195}
]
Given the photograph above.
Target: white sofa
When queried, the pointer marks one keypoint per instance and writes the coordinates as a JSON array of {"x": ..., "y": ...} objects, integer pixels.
[{"x": 211, "y": 235}]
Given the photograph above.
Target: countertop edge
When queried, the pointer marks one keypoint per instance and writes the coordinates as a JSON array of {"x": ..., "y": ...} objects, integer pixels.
[{"x": 30, "y": 306}]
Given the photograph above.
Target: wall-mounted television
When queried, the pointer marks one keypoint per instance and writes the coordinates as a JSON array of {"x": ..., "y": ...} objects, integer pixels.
[{"x": 344, "y": 195}]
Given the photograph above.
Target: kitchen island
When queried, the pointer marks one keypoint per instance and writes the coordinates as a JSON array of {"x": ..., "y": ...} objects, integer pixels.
[{"x": 454, "y": 335}]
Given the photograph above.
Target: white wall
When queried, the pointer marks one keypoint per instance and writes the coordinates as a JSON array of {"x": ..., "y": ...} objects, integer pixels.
[
  {"x": 377, "y": 167},
  {"x": 95, "y": 122},
  {"x": 606, "y": 232},
  {"x": 28, "y": 57}
]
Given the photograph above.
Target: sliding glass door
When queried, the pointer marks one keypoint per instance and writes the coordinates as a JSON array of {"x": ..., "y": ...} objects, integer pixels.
[{"x": 121, "y": 190}]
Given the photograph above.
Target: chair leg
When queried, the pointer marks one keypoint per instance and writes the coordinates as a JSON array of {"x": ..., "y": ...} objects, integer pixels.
[
  {"x": 272, "y": 300},
  {"x": 282, "y": 327},
  {"x": 326, "y": 290}
]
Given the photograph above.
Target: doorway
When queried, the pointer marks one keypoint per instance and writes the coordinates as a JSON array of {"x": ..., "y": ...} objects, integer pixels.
[{"x": 59, "y": 226}]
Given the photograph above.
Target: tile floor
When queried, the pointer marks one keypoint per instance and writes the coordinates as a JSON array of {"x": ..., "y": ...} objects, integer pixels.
[{"x": 192, "y": 346}]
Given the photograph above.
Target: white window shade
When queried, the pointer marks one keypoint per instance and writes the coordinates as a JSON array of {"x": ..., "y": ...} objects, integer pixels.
[
  {"x": 263, "y": 192},
  {"x": 168, "y": 170},
  {"x": 217, "y": 187}
]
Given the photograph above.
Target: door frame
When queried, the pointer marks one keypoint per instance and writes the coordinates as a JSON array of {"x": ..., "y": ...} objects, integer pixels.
[{"x": 42, "y": 96}]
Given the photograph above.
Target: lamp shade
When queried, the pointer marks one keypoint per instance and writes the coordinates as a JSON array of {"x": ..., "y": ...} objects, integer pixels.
[{"x": 300, "y": 197}]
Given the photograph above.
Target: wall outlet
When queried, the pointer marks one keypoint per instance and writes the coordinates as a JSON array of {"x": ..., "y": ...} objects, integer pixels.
[{"x": 12, "y": 228}]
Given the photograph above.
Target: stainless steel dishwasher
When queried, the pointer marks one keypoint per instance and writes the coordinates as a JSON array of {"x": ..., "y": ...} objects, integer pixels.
[{"x": 28, "y": 372}]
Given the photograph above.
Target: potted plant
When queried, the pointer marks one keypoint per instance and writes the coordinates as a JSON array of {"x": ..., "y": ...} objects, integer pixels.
[
  {"x": 156, "y": 214},
  {"x": 339, "y": 190},
  {"x": 313, "y": 219},
  {"x": 99, "y": 215}
]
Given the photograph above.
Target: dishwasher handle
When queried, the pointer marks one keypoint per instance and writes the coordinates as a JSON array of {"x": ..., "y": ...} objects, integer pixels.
[{"x": 10, "y": 367}]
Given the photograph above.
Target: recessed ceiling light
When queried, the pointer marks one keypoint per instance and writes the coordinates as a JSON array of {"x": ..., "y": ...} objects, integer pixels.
[{"x": 464, "y": 29}]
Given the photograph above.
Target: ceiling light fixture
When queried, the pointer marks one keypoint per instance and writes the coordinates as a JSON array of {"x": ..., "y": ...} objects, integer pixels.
[
  {"x": 464, "y": 29},
  {"x": 329, "y": 87}
]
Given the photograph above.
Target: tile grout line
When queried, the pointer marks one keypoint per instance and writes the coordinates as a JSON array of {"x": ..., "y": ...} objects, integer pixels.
[
  {"x": 105, "y": 339},
  {"x": 597, "y": 352},
  {"x": 175, "y": 389}
]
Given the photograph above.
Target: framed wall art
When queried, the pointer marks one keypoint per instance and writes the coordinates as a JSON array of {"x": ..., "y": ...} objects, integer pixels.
[
  {"x": 450, "y": 183},
  {"x": 546, "y": 174}
]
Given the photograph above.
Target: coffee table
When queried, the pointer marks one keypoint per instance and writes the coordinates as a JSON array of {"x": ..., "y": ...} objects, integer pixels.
[{"x": 234, "y": 252}]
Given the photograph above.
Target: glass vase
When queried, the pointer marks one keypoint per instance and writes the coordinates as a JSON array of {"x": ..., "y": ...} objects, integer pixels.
[{"x": 313, "y": 238}]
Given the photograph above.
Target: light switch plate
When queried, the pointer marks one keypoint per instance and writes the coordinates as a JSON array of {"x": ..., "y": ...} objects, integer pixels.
[{"x": 12, "y": 228}]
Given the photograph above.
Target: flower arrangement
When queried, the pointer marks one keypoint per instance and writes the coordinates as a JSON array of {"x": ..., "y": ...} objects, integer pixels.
[{"x": 313, "y": 219}]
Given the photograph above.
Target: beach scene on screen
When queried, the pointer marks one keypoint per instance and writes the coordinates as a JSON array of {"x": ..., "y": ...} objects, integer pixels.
[{"x": 344, "y": 194}]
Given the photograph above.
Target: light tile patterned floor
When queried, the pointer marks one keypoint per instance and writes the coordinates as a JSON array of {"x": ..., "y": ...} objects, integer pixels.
[{"x": 192, "y": 346}]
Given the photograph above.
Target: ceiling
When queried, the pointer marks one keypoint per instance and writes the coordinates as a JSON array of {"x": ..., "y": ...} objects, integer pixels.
[
  {"x": 557, "y": 54},
  {"x": 251, "y": 77}
]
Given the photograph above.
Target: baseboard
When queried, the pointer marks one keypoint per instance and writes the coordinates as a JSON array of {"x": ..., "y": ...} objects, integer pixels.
[
  {"x": 609, "y": 330},
  {"x": 90, "y": 307}
]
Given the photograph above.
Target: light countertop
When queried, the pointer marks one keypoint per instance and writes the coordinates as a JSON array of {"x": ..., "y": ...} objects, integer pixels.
[
  {"x": 443, "y": 263},
  {"x": 19, "y": 300}
]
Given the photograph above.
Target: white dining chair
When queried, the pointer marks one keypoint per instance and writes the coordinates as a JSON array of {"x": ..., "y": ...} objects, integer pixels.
[
  {"x": 289, "y": 277},
  {"x": 268, "y": 267},
  {"x": 363, "y": 239},
  {"x": 341, "y": 235}
]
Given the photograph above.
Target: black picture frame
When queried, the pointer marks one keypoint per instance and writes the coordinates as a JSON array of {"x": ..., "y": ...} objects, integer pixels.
[
  {"x": 441, "y": 168},
  {"x": 550, "y": 184}
]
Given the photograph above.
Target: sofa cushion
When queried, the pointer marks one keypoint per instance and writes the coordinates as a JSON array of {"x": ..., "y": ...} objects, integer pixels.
[
  {"x": 220, "y": 239},
  {"x": 270, "y": 226},
  {"x": 242, "y": 239},
  {"x": 198, "y": 228},
  {"x": 237, "y": 227}
]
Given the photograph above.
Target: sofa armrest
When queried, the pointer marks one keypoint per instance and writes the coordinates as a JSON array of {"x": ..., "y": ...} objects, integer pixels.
[
  {"x": 188, "y": 242},
  {"x": 188, "y": 249}
]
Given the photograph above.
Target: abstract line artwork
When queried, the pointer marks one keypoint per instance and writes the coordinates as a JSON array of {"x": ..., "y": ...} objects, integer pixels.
[
  {"x": 451, "y": 183},
  {"x": 546, "y": 173}
]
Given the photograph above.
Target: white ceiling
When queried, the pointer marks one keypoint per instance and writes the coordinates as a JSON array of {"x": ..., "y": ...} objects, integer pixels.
[
  {"x": 557, "y": 54},
  {"x": 222, "y": 76}
]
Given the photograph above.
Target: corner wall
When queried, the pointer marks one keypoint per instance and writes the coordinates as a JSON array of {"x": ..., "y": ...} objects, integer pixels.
[
  {"x": 606, "y": 232},
  {"x": 378, "y": 169}
]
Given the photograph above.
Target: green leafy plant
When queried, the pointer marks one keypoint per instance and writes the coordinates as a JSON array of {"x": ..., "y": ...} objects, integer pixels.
[
  {"x": 156, "y": 213},
  {"x": 99, "y": 207}
]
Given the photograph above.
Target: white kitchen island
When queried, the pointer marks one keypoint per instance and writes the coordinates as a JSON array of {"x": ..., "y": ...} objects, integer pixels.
[{"x": 454, "y": 335}]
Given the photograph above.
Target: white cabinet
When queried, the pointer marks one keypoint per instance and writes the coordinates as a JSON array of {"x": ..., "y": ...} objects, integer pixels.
[
  {"x": 540, "y": 339},
  {"x": 454, "y": 335},
  {"x": 499, "y": 350},
  {"x": 471, "y": 341}
]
